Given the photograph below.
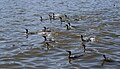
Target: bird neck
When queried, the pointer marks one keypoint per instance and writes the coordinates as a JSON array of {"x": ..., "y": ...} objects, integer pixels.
[
  {"x": 105, "y": 58},
  {"x": 68, "y": 28},
  {"x": 50, "y": 17},
  {"x": 53, "y": 16},
  {"x": 60, "y": 19},
  {"x": 65, "y": 16},
  {"x": 82, "y": 38},
  {"x": 41, "y": 18},
  {"x": 69, "y": 24},
  {"x": 26, "y": 31},
  {"x": 45, "y": 39},
  {"x": 44, "y": 30},
  {"x": 69, "y": 55}
]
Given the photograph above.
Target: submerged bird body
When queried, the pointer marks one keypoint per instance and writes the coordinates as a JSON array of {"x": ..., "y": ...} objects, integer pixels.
[
  {"x": 28, "y": 33},
  {"x": 73, "y": 57},
  {"x": 57, "y": 16},
  {"x": 48, "y": 39},
  {"x": 68, "y": 27},
  {"x": 87, "y": 39},
  {"x": 50, "y": 17},
  {"x": 41, "y": 19},
  {"x": 45, "y": 29},
  {"x": 107, "y": 59},
  {"x": 46, "y": 32},
  {"x": 84, "y": 40}
]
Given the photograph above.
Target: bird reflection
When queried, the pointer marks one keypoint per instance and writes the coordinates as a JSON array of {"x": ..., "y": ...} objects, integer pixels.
[{"x": 47, "y": 45}]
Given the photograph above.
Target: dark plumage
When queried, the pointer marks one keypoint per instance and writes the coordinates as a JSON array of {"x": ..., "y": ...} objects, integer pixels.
[
  {"x": 26, "y": 31},
  {"x": 48, "y": 39},
  {"x": 53, "y": 17},
  {"x": 61, "y": 20},
  {"x": 73, "y": 57},
  {"x": 45, "y": 39},
  {"x": 68, "y": 27},
  {"x": 45, "y": 29},
  {"x": 87, "y": 40},
  {"x": 41, "y": 19},
  {"x": 50, "y": 17},
  {"x": 107, "y": 59}
]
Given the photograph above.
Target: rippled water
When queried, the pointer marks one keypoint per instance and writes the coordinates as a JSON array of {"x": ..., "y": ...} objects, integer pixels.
[{"x": 95, "y": 18}]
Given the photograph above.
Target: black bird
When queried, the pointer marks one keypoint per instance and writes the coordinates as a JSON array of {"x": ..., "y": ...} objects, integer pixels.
[
  {"x": 61, "y": 20},
  {"x": 66, "y": 17},
  {"x": 69, "y": 24},
  {"x": 45, "y": 29},
  {"x": 48, "y": 40},
  {"x": 68, "y": 27},
  {"x": 107, "y": 59},
  {"x": 45, "y": 38},
  {"x": 87, "y": 39},
  {"x": 41, "y": 19},
  {"x": 72, "y": 27},
  {"x": 73, "y": 57},
  {"x": 53, "y": 17},
  {"x": 27, "y": 32},
  {"x": 50, "y": 17}
]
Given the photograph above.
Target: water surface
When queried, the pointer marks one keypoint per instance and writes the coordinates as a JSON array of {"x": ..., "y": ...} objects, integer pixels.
[{"x": 96, "y": 18}]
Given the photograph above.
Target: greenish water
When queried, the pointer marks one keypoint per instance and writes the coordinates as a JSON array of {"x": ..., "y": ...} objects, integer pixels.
[{"x": 91, "y": 18}]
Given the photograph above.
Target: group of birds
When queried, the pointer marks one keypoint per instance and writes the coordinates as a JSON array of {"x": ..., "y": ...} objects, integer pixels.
[{"x": 47, "y": 32}]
